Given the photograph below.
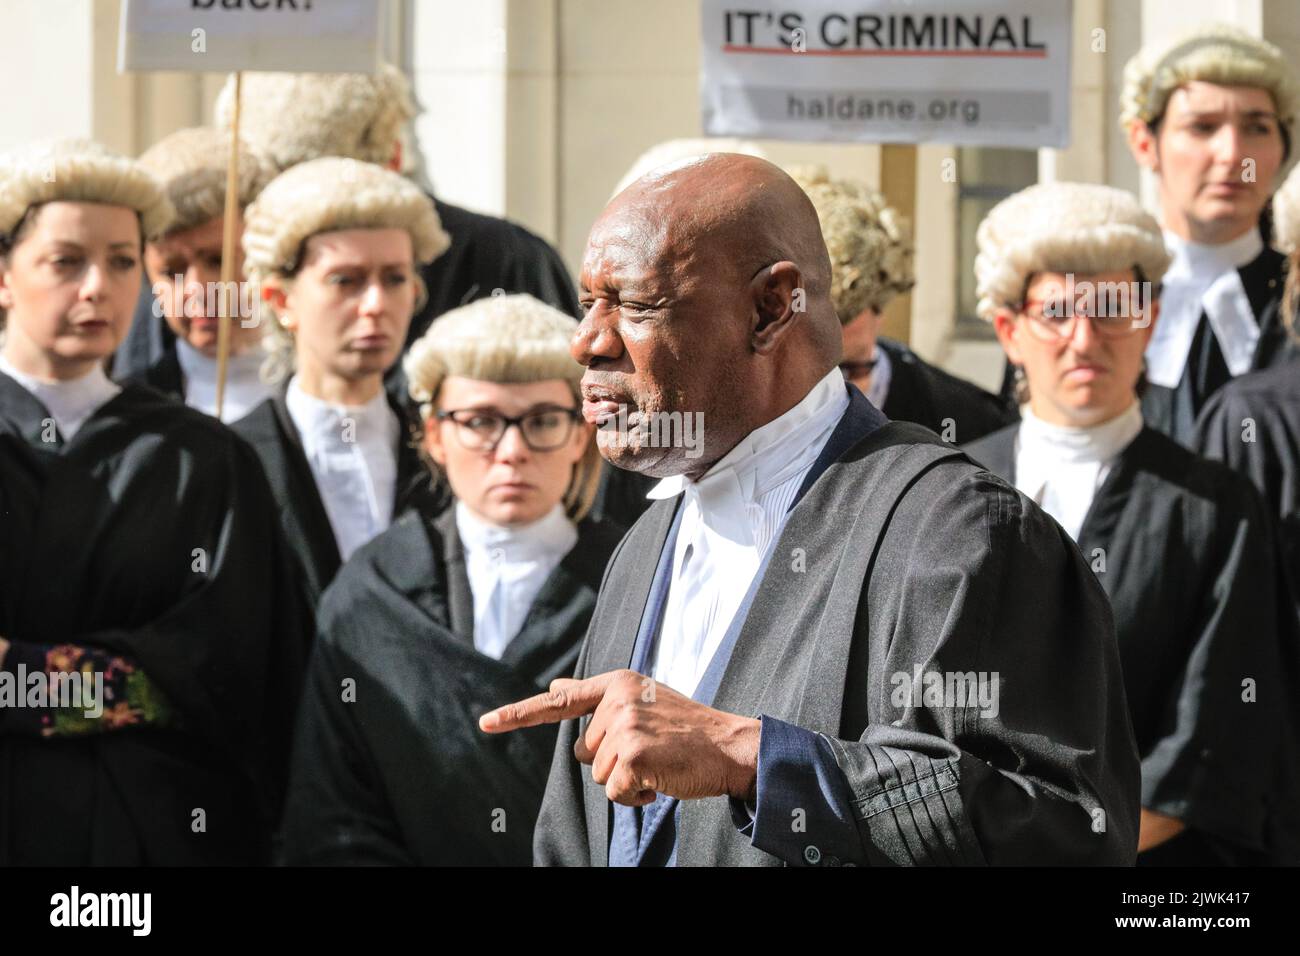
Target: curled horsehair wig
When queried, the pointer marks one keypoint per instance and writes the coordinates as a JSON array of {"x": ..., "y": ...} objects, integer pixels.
[
  {"x": 1067, "y": 228},
  {"x": 191, "y": 166},
  {"x": 1214, "y": 53},
  {"x": 295, "y": 117},
  {"x": 77, "y": 170}
]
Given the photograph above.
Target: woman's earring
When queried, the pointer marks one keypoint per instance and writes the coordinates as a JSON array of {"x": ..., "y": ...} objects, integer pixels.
[{"x": 1020, "y": 384}]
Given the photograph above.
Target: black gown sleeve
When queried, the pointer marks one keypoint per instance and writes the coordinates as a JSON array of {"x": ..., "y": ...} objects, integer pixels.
[{"x": 989, "y": 585}]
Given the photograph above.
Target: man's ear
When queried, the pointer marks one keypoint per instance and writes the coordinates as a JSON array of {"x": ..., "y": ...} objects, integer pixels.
[
  {"x": 395, "y": 161},
  {"x": 1144, "y": 144},
  {"x": 780, "y": 298},
  {"x": 433, "y": 441},
  {"x": 1004, "y": 324}
]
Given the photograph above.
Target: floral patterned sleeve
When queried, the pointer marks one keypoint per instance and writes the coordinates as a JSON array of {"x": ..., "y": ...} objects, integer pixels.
[{"x": 67, "y": 690}]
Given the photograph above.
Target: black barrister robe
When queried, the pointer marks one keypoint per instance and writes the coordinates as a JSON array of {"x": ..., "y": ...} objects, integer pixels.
[
  {"x": 1184, "y": 549},
  {"x": 274, "y": 437},
  {"x": 99, "y": 549},
  {"x": 401, "y": 774},
  {"x": 1253, "y": 425},
  {"x": 952, "y": 408},
  {"x": 903, "y": 554}
]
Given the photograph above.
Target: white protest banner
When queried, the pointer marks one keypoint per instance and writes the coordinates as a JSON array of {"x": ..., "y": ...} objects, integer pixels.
[
  {"x": 966, "y": 72},
  {"x": 294, "y": 36}
]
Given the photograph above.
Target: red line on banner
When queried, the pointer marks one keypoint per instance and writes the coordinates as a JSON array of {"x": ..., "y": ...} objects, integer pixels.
[{"x": 786, "y": 51}]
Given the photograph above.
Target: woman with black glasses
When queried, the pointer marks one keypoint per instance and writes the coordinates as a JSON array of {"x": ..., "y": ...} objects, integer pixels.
[
  {"x": 436, "y": 621},
  {"x": 1068, "y": 274}
]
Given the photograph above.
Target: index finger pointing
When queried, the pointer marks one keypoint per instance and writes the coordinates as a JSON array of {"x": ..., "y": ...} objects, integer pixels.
[{"x": 573, "y": 698}]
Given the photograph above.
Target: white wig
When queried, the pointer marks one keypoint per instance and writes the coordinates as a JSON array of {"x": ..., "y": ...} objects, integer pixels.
[
  {"x": 1212, "y": 54},
  {"x": 507, "y": 339},
  {"x": 1286, "y": 214},
  {"x": 1062, "y": 227},
  {"x": 870, "y": 244},
  {"x": 500, "y": 338},
  {"x": 327, "y": 195},
  {"x": 676, "y": 151},
  {"x": 296, "y": 117},
  {"x": 191, "y": 166},
  {"x": 78, "y": 170}
]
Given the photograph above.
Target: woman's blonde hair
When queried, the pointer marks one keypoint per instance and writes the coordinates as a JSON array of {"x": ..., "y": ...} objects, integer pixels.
[
  {"x": 508, "y": 339},
  {"x": 1286, "y": 236}
]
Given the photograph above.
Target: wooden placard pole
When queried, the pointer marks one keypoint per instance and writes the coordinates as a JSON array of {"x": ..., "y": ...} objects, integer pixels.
[
  {"x": 226, "y": 300},
  {"x": 898, "y": 185}
]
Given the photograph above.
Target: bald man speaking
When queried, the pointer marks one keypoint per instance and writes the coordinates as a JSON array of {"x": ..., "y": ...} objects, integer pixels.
[{"x": 833, "y": 639}]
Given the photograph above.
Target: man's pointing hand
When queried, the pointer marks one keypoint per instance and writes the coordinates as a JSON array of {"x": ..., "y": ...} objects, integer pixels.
[{"x": 644, "y": 737}]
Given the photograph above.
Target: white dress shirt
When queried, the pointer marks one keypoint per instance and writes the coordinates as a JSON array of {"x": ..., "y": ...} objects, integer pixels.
[
  {"x": 1205, "y": 279},
  {"x": 506, "y": 567},
  {"x": 71, "y": 403},
  {"x": 245, "y": 389},
  {"x": 352, "y": 450},
  {"x": 732, "y": 516},
  {"x": 881, "y": 374},
  {"x": 1061, "y": 468}
]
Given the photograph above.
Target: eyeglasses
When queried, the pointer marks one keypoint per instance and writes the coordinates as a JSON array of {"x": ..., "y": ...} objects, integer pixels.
[
  {"x": 1054, "y": 319},
  {"x": 543, "y": 429}
]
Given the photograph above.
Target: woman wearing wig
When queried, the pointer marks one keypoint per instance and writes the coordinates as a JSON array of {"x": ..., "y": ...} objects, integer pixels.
[
  {"x": 334, "y": 245},
  {"x": 436, "y": 621},
  {"x": 1068, "y": 275},
  {"x": 150, "y": 645}
]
